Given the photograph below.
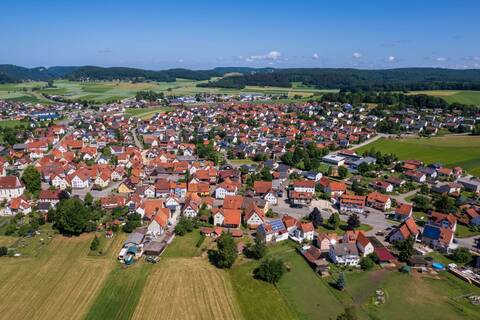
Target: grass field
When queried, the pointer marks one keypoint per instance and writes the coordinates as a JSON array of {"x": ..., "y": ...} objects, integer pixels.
[
  {"x": 452, "y": 96},
  {"x": 22, "y": 92},
  {"x": 451, "y": 151},
  {"x": 120, "y": 293},
  {"x": 61, "y": 283}
]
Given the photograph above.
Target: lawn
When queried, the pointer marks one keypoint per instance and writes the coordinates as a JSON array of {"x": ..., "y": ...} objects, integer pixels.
[
  {"x": 342, "y": 228},
  {"x": 464, "y": 231},
  {"x": 13, "y": 123},
  {"x": 187, "y": 288},
  {"x": 452, "y": 96},
  {"x": 451, "y": 151},
  {"x": 184, "y": 246},
  {"x": 240, "y": 162},
  {"x": 307, "y": 294},
  {"x": 61, "y": 282},
  {"x": 257, "y": 299}
]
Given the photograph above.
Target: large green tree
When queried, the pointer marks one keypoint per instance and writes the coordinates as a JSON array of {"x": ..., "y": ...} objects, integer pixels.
[
  {"x": 32, "y": 180},
  {"x": 227, "y": 251},
  {"x": 71, "y": 217},
  {"x": 270, "y": 270}
]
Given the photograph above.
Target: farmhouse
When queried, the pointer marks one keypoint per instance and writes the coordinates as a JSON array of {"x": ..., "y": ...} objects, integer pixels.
[{"x": 10, "y": 187}]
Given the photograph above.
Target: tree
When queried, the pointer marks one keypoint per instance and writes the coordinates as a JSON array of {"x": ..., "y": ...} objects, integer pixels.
[
  {"x": 270, "y": 270},
  {"x": 32, "y": 180},
  {"x": 3, "y": 251},
  {"x": 445, "y": 203},
  {"x": 461, "y": 255},
  {"x": 71, "y": 217},
  {"x": 184, "y": 225},
  {"x": 316, "y": 217},
  {"x": 334, "y": 221},
  {"x": 353, "y": 222},
  {"x": 258, "y": 249},
  {"x": 366, "y": 263},
  {"x": 95, "y": 243},
  {"x": 341, "y": 282},
  {"x": 406, "y": 249},
  {"x": 421, "y": 202},
  {"x": 226, "y": 253},
  {"x": 134, "y": 221},
  {"x": 342, "y": 172},
  {"x": 349, "y": 314},
  {"x": 88, "y": 199}
]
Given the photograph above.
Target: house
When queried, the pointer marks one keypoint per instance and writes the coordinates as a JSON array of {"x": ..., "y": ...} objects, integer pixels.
[
  {"x": 415, "y": 176},
  {"x": 233, "y": 202},
  {"x": 382, "y": 186},
  {"x": 447, "y": 221},
  {"x": 52, "y": 196},
  {"x": 273, "y": 231},
  {"x": 403, "y": 212},
  {"x": 352, "y": 204},
  {"x": 300, "y": 198},
  {"x": 289, "y": 222},
  {"x": 10, "y": 187},
  {"x": 448, "y": 188},
  {"x": 59, "y": 182},
  {"x": 227, "y": 187},
  {"x": 304, "y": 186},
  {"x": 379, "y": 201},
  {"x": 230, "y": 218},
  {"x": 112, "y": 202},
  {"x": 158, "y": 224},
  {"x": 325, "y": 240},
  {"x": 470, "y": 184},
  {"x": 438, "y": 238},
  {"x": 304, "y": 231},
  {"x": 344, "y": 254},
  {"x": 254, "y": 216},
  {"x": 271, "y": 197},
  {"x": 18, "y": 205},
  {"x": 408, "y": 229},
  {"x": 336, "y": 189},
  {"x": 262, "y": 187},
  {"x": 473, "y": 216},
  {"x": 312, "y": 175},
  {"x": 365, "y": 247},
  {"x": 79, "y": 179}
]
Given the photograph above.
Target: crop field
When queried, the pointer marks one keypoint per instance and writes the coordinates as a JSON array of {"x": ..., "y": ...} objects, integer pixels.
[
  {"x": 62, "y": 281},
  {"x": 452, "y": 96},
  {"x": 450, "y": 150},
  {"x": 22, "y": 92},
  {"x": 180, "y": 288}
]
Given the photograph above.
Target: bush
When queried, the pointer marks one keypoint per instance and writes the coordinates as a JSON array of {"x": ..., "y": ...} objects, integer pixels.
[
  {"x": 461, "y": 255},
  {"x": 95, "y": 244},
  {"x": 367, "y": 263},
  {"x": 270, "y": 270},
  {"x": 3, "y": 251}
]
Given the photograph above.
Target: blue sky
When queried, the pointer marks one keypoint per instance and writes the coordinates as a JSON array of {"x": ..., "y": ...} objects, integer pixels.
[{"x": 204, "y": 34}]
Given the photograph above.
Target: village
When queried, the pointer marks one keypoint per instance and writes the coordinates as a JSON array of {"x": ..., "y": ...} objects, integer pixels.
[{"x": 263, "y": 173}]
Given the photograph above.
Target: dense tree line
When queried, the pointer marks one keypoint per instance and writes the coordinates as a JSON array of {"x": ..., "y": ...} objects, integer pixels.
[
  {"x": 357, "y": 80},
  {"x": 304, "y": 157},
  {"x": 149, "y": 95}
]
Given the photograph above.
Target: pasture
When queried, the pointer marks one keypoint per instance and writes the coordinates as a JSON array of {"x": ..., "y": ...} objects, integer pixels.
[
  {"x": 146, "y": 113},
  {"x": 22, "y": 92},
  {"x": 450, "y": 150},
  {"x": 452, "y": 96}
]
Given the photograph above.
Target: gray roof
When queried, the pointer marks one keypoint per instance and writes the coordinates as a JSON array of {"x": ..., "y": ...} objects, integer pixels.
[
  {"x": 345, "y": 249},
  {"x": 134, "y": 238}
]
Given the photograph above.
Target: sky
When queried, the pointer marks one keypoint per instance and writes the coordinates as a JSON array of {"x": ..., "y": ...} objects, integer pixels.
[{"x": 203, "y": 34}]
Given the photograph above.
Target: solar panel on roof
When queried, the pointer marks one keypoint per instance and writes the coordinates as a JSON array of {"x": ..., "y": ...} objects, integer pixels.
[{"x": 277, "y": 225}]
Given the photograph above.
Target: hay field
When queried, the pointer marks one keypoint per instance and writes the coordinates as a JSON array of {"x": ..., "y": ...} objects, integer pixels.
[
  {"x": 60, "y": 284},
  {"x": 180, "y": 288}
]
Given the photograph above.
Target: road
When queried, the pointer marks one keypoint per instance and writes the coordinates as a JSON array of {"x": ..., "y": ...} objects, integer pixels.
[
  {"x": 135, "y": 138},
  {"x": 402, "y": 198}
]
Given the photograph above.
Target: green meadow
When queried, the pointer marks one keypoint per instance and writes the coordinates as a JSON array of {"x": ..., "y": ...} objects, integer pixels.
[
  {"x": 452, "y": 96},
  {"x": 450, "y": 150}
]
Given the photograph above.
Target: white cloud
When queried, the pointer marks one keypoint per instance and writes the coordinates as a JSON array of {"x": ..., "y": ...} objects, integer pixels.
[
  {"x": 272, "y": 56},
  {"x": 391, "y": 59},
  {"x": 356, "y": 55},
  {"x": 441, "y": 59},
  {"x": 315, "y": 56}
]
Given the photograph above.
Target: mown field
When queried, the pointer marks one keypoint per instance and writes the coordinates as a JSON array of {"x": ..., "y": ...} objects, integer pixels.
[
  {"x": 61, "y": 283},
  {"x": 452, "y": 96},
  {"x": 22, "y": 92},
  {"x": 146, "y": 113},
  {"x": 450, "y": 150}
]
